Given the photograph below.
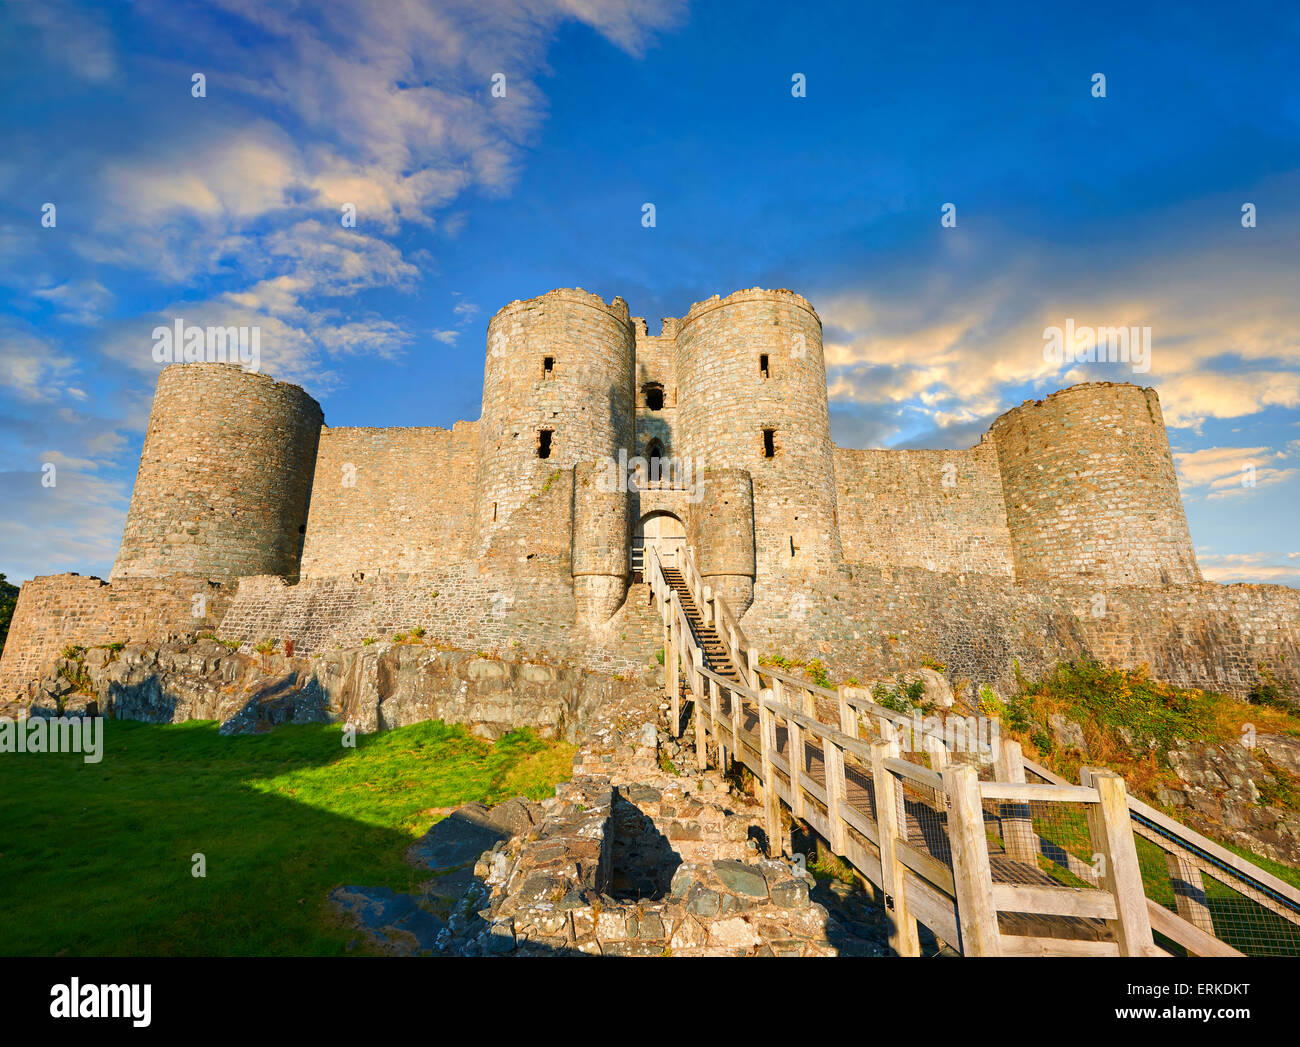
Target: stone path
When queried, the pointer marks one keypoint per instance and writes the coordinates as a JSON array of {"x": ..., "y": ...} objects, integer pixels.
[{"x": 627, "y": 859}]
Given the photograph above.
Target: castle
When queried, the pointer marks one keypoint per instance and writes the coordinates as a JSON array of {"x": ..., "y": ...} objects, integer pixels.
[{"x": 1060, "y": 534}]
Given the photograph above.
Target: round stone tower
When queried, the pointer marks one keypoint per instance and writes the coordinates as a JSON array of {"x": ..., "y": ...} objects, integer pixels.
[
  {"x": 558, "y": 389},
  {"x": 1090, "y": 488},
  {"x": 721, "y": 532},
  {"x": 225, "y": 477},
  {"x": 752, "y": 395}
]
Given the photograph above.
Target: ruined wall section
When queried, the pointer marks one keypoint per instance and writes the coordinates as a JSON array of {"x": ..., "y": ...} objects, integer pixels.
[
  {"x": 225, "y": 477},
  {"x": 940, "y": 510},
  {"x": 562, "y": 365},
  {"x": 1091, "y": 491},
  {"x": 61, "y": 610},
  {"x": 727, "y": 403},
  {"x": 387, "y": 500}
]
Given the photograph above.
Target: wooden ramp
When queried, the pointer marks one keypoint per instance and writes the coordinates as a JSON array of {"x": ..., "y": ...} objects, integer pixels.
[{"x": 993, "y": 854}]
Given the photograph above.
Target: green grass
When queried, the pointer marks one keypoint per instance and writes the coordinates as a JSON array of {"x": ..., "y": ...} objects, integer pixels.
[{"x": 95, "y": 859}]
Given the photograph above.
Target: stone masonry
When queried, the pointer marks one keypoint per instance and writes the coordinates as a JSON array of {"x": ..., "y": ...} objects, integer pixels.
[{"x": 252, "y": 520}]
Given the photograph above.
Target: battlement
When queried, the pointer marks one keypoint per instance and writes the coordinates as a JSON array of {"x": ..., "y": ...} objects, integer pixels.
[{"x": 753, "y": 294}]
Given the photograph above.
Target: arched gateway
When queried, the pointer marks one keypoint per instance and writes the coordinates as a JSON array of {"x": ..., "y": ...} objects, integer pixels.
[{"x": 660, "y": 529}]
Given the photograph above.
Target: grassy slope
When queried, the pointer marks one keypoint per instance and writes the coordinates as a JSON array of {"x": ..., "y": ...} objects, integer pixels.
[
  {"x": 1106, "y": 701},
  {"x": 95, "y": 859}
]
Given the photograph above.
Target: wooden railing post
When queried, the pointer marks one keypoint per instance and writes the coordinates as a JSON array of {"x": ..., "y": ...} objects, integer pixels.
[
  {"x": 697, "y": 693},
  {"x": 903, "y": 937},
  {"x": 670, "y": 664},
  {"x": 736, "y": 713},
  {"x": 1112, "y": 839},
  {"x": 833, "y": 759},
  {"x": 939, "y": 761},
  {"x": 848, "y": 715},
  {"x": 771, "y": 798},
  {"x": 797, "y": 756},
  {"x": 1018, "y": 836},
  {"x": 971, "y": 873},
  {"x": 1189, "y": 892},
  {"x": 713, "y": 723}
]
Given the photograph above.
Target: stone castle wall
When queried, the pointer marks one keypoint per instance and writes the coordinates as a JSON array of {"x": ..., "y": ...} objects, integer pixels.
[
  {"x": 977, "y": 557},
  {"x": 457, "y": 606},
  {"x": 391, "y": 500},
  {"x": 940, "y": 510},
  {"x": 558, "y": 380},
  {"x": 871, "y": 622},
  {"x": 1090, "y": 489},
  {"x": 225, "y": 477},
  {"x": 61, "y": 610}
]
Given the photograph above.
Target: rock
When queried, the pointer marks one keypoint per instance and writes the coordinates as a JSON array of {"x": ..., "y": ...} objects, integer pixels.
[
  {"x": 689, "y": 934},
  {"x": 611, "y": 925},
  {"x": 500, "y": 938},
  {"x": 1067, "y": 734},
  {"x": 515, "y": 816},
  {"x": 703, "y": 902},
  {"x": 1283, "y": 751},
  {"x": 937, "y": 689},
  {"x": 741, "y": 878},
  {"x": 790, "y": 894},
  {"x": 651, "y": 925},
  {"x": 458, "y": 839},
  {"x": 393, "y": 923},
  {"x": 734, "y": 933}
]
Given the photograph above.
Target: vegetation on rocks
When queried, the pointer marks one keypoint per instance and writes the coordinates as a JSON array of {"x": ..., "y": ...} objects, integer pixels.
[
  {"x": 8, "y": 601},
  {"x": 1173, "y": 745}
]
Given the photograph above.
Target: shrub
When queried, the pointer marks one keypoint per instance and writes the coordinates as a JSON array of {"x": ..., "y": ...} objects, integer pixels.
[{"x": 903, "y": 697}]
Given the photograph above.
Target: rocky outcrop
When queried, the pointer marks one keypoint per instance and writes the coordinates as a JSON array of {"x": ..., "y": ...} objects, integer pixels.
[
  {"x": 174, "y": 682},
  {"x": 374, "y": 687},
  {"x": 383, "y": 686},
  {"x": 1241, "y": 794}
]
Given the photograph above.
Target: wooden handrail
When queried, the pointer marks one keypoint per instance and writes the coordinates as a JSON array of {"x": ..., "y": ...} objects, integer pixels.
[{"x": 960, "y": 902}]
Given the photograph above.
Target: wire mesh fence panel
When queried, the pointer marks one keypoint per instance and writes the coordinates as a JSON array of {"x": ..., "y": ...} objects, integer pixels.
[
  {"x": 1235, "y": 909},
  {"x": 1039, "y": 842},
  {"x": 923, "y": 819}
]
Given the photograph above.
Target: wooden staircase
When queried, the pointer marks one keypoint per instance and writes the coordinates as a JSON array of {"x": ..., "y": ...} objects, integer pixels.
[
  {"x": 980, "y": 853},
  {"x": 717, "y": 658}
]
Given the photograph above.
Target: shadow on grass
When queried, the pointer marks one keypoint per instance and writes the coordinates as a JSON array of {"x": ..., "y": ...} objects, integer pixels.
[{"x": 100, "y": 859}]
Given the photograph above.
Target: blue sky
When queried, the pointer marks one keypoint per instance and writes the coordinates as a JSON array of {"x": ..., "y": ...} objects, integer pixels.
[{"x": 1115, "y": 211}]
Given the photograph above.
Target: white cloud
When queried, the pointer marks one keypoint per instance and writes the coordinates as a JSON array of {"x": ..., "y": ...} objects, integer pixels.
[{"x": 1248, "y": 567}]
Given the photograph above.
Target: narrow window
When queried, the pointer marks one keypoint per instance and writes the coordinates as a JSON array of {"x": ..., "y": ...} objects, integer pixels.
[
  {"x": 762, "y": 368},
  {"x": 654, "y": 396},
  {"x": 548, "y": 366},
  {"x": 494, "y": 512},
  {"x": 769, "y": 443},
  {"x": 543, "y": 443}
]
